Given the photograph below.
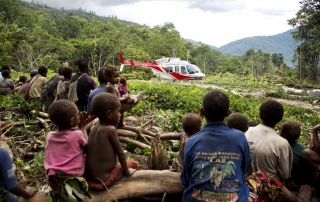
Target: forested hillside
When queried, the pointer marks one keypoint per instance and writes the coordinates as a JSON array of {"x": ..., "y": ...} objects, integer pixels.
[
  {"x": 280, "y": 43},
  {"x": 32, "y": 34}
]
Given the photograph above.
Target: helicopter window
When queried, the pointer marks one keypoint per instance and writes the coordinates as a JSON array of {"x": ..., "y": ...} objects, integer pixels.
[
  {"x": 192, "y": 69},
  {"x": 183, "y": 70},
  {"x": 169, "y": 70},
  {"x": 177, "y": 69}
]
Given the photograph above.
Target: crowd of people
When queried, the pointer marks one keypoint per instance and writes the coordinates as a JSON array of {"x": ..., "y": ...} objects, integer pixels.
[{"x": 233, "y": 161}]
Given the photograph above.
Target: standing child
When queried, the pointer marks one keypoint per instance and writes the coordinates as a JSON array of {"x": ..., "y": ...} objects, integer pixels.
[
  {"x": 63, "y": 85},
  {"x": 238, "y": 121},
  {"x": 64, "y": 149},
  {"x": 191, "y": 124},
  {"x": 216, "y": 159},
  {"x": 291, "y": 132},
  {"x": 102, "y": 170},
  {"x": 123, "y": 88},
  {"x": 113, "y": 76}
]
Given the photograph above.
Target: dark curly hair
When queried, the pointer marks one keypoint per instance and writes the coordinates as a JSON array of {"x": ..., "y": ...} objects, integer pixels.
[
  {"x": 109, "y": 71},
  {"x": 6, "y": 67},
  {"x": 123, "y": 80},
  {"x": 61, "y": 111},
  {"x": 82, "y": 63},
  {"x": 191, "y": 123},
  {"x": 5, "y": 73},
  {"x": 42, "y": 70},
  {"x": 216, "y": 105},
  {"x": 23, "y": 78},
  {"x": 290, "y": 130},
  {"x": 66, "y": 72},
  {"x": 101, "y": 77},
  {"x": 103, "y": 102},
  {"x": 238, "y": 121},
  {"x": 271, "y": 112}
]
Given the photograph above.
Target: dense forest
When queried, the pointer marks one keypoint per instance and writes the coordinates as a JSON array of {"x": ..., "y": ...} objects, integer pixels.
[{"x": 33, "y": 34}]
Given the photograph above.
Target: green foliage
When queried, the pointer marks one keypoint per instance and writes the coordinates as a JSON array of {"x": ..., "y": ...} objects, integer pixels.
[
  {"x": 16, "y": 104},
  {"x": 169, "y": 102}
]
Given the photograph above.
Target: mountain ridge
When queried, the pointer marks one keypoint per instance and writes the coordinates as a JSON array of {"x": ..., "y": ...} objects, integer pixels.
[{"x": 279, "y": 43}]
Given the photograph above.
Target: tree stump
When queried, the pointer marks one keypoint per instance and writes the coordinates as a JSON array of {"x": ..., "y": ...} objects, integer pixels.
[{"x": 158, "y": 155}]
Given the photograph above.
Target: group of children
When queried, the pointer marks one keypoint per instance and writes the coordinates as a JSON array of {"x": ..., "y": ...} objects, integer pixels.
[{"x": 233, "y": 161}]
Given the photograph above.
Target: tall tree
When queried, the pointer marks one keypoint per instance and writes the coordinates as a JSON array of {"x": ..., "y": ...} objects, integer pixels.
[{"x": 307, "y": 21}]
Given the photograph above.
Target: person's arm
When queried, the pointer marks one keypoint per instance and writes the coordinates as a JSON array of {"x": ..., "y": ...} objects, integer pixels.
[
  {"x": 186, "y": 171},
  {"x": 119, "y": 151},
  {"x": 25, "y": 193},
  {"x": 246, "y": 163},
  {"x": 316, "y": 142},
  {"x": 171, "y": 136},
  {"x": 83, "y": 116},
  {"x": 285, "y": 161}
]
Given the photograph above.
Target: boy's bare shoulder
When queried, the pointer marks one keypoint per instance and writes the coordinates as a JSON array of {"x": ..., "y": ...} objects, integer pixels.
[{"x": 104, "y": 129}]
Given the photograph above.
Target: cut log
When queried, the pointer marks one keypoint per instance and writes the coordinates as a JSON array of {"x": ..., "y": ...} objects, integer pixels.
[
  {"x": 140, "y": 184},
  {"x": 135, "y": 143}
]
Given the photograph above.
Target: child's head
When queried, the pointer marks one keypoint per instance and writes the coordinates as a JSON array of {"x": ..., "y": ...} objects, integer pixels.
[
  {"x": 112, "y": 74},
  {"x": 101, "y": 78},
  {"x": 23, "y": 79},
  {"x": 106, "y": 107},
  {"x": 66, "y": 72},
  {"x": 43, "y": 70},
  {"x": 215, "y": 106},
  {"x": 238, "y": 121},
  {"x": 290, "y": 130},
  {"x": 123, "y": 81},
  {"x": 64, "y": 114},
  {"x": 83, "y": 64},
  {"x": 271, "y": 112},
  {"x": 6, "y": 67},
  {"x": 191, "y": 123},
  {"x": 6, "y": 74}
]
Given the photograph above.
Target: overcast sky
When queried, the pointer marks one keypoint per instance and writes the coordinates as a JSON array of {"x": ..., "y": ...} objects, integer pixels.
[{"x": 214, "y": 22}]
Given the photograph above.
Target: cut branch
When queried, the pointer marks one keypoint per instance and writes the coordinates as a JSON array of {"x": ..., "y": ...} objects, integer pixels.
[{"x": 135, "y": 143}]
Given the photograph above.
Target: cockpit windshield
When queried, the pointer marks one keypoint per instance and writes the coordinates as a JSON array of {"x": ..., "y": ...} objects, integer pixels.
[{"x": 193, "y": 69}]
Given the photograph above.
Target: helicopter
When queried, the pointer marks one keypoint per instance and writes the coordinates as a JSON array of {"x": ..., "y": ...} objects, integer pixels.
[{"x": 168, "y": 68}]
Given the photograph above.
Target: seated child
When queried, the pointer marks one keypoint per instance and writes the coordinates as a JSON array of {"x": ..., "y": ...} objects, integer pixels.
[
  {"x": 212, "y": 151},
  {"x": 102, "y": 170},
  {"x": 291, "y": 131},
  {"x": 9, "y": 186},
  {"x": 238, "y": 121},
  {"x": 113, "y": 76},
  {"x": 123, "y": 88},
  {"x": 191, "y": 124},
  {"x": 64, "y": 149}
]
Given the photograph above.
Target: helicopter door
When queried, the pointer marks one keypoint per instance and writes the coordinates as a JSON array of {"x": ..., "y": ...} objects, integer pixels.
[
  {"x": 183, "y": 70},
  {"x": 177, "y": 70}
]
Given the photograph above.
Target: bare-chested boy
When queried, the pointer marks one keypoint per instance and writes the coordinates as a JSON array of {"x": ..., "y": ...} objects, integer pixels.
[{"x": 101, "y": 169}]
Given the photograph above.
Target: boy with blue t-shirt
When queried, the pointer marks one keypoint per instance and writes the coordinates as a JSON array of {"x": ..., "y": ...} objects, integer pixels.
[{"x": 216, "y": 158}]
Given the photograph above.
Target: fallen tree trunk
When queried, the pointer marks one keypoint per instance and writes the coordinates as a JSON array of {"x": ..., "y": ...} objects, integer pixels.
[
  {"x": 135, "y": 143},
  {"x": 140, "y": 184}
]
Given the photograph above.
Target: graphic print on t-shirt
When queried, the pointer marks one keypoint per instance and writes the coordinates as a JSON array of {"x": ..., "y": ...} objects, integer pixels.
[{"x": 217, "y": 170}]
